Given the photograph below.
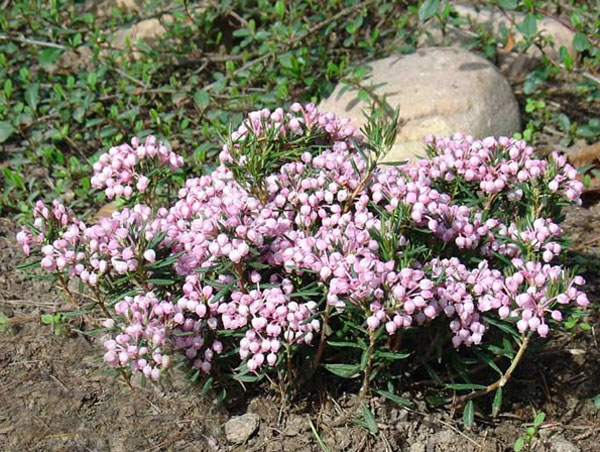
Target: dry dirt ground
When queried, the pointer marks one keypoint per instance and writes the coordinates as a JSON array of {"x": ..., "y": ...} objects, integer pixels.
[{"x": 56, "y": 395}]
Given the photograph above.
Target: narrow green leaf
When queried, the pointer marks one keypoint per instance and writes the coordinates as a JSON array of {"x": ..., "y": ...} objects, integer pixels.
[
  {"x": 320, "y": 441},
  {"x": 394, "y": 398},
  {"x": 469, "y": 414},
  {"x": 343, "y": 370},
  {"x": 32, "y": 96},
  {"x": 465, "y": 386},
  {"x": 392, "y": 356},
  {"x": 497, "y": 403},
  {"x": 344, "y": 344},
  {"x": 539, "y": 419},
  {"x": 161, "y": 281},
  {"x": 369, "y": 420}
]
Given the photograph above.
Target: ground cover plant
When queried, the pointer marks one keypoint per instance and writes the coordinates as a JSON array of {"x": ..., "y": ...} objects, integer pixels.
[
  {"x": 299, "y": 238},
  {"x": 70, "y": 94}
]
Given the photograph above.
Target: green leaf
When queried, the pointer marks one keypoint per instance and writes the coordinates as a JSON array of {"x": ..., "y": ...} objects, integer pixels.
[
  {"x": 280, "y": 8},
  {"x": 8, "y": 88},
  {"x": 32, "y": 96},
  {"x": 202, "y": 99},
  {"x": 345, "y": 344},
  {"x": 320, "y": 441},
  {"x": 161, "y": 281},
  {"x": 497, "y": 403},
  {"x": 369, "y": 420},
  {"x": 539, "y": 419},
  {"x": 49, "y": 56},
  {"x": 428, "y": 9},
  {"x": 47, "y": 319},
  {"x": 6, "y": 130},
  {"x": 519, "y": 444},
  {"x": 565, "y": 122},
  {"x": 596, "y": 400},
  {"x": 507, "y": 4},
  {"x": 528, "y": 26},
  {"x": 392, "y": 356},
  {"x": 580, "y": 42},
  {"x": 394, "y": 398},
  {"x": 469, "y": 414},
  {"x": 465, "y": 386},
  {"x": 488, "y": 360},
  {"x": 343, "y": 370}
]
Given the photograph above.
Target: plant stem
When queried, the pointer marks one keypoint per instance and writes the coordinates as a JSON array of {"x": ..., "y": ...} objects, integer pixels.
[
  {"x": 365, "y": 386},
  {"x": 67, "y": 291},
  {"x": 501, "y": 382},
  {"x": 321, "y": 345}
]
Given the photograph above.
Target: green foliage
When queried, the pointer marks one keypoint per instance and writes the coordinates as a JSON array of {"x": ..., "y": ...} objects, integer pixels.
[
  {"x": 77, "y": 93},
  {"x": 525, "y": 442}
]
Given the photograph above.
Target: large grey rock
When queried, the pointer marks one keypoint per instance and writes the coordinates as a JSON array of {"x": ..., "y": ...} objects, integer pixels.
[
  {"x": 440, "y": 91},
  {"x": 239, "y": 428}
]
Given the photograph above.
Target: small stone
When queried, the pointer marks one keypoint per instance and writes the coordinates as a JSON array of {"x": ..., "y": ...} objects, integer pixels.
[
  {"x": 295, "y": 425},
  {"x": 417, "y": 447},
  {"x": 558, "y": 443},
  {"x": 239, "y": 428}
]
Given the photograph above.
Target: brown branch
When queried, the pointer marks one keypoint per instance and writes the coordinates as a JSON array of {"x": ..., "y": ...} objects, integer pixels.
[{"x": 501, "y": 382}]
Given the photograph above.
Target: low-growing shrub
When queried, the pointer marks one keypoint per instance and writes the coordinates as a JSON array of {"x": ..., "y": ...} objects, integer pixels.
[{"x": 302, "y": 251}]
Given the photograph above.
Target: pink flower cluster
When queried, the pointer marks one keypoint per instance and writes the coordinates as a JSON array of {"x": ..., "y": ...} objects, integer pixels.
[
  {"x": 124, "y": 169},
  {"x": 143, "y": 337},
  {"x": 499, "y": 165},
  {"x": 244, "y": 260}
]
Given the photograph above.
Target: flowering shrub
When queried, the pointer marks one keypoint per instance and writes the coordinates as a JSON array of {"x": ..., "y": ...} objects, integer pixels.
[{"x": 300, "y": 243}]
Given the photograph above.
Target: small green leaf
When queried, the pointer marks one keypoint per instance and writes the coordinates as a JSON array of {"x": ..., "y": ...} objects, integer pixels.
[
  {"x": 465, "y": 386},
  {"x": 343, "y": 370},
  {"x": 202, "y": 99},
  {"x": 469, "y": 414},
  {"x": 280, "y": 8},
  {"x": 528, "y": 26},
  {"x": 539, "y": 419},
  {"x": 519, "y": 444},
  {"x": 396, "y": 399},
  {"x": 507, "y": 4},
  {"x": 8, "y": 88},
  {"x": 596, "y": 400},
  {"x": 49, "y": 56},
  {"x": 580, "y": 42},
  {"x": 428, "y": 9},
  {"x": 565, "y": 122},
  {"x": 6, "y": 130},
  {"x": 161, "y": 281},
  {"x": 369, "y": 420},
  {"x": 47, "y": 319},
  {"x": 32, "y": 96},
  {"x": 497, "y": 403},
  {"x": 344, "y": 344}
]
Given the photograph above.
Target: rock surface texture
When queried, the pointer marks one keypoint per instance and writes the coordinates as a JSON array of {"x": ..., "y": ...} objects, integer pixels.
[
  {"x": 439, "y": 90},
  {"x": 238, "y": 429}
]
